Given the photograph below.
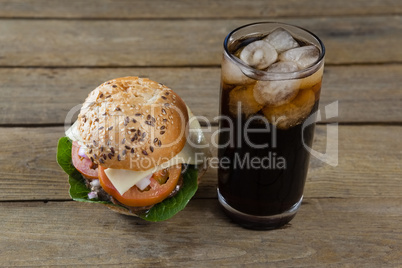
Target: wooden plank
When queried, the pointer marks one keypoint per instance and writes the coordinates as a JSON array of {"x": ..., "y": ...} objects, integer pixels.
[
  {"x": 53, "y": 92},
  {"x": 359, "y": 232},
  {"x": 180, "y": 42},
  {"x": 365, "y": 93},
  {"x": 28, "y": 170},
  {"x": 142, "y": 9}
]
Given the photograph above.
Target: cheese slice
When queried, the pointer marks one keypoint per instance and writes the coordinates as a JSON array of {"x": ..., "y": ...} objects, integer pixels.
[
  {"x": 124, "y": 179},
  {"x": 194, "y": 152}
]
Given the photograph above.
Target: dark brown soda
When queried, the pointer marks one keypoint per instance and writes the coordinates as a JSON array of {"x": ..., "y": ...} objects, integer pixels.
[{"x": 260, "y": 190}]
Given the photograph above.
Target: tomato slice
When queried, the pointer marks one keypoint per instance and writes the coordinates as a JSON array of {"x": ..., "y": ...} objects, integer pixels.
[
  {"x": 83, "y": 165},
  {"x": 152, "y": 195}
]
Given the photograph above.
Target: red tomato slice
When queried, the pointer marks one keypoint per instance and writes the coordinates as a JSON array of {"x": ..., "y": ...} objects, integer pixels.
[
  {"x": 136, "y": 198},
  {"x": 83, "y": 165}
]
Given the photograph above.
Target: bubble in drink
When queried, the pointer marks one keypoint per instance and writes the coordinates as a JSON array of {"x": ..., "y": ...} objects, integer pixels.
[
  {"x": 281, "y": 40},
  {"x": 302, "y": 56},
  {"x": 241, "y": 98},
  {"x": 292, "y": 113},
  {"x": 275, "y": 93},
  {"x": 259, "y": 54}
]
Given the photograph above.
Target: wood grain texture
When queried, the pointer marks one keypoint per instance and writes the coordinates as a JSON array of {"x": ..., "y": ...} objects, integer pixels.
[
  {"x": 180, "y": 42},
  {"x": 143, "y": 9},
  {"x": 28, "y": 170},
  {"x": 45, "y": 96},
  {"x": 356, "y": 232},
  {"x": 53, "y": 53}
]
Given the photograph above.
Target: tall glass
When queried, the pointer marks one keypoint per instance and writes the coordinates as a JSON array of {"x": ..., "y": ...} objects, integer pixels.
[{"x": 266, "y": 107}]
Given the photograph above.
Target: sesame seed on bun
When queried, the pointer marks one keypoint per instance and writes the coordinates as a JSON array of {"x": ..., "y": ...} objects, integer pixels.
[{"x": 132, "y": 123}]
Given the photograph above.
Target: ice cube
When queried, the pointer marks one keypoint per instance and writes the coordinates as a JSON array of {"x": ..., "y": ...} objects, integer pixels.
[
  {"x": 259, "y": 54},
  {"x": 302, "y": 56},
  {"x": 231, "y": 73},
  {"x": 281, "y": 40},
  {"x": 292, "y": 113},
  {"x": 275, "y": 93},
  {"x": 243, "y": 96},
  {"x": 283, "y": 67}
]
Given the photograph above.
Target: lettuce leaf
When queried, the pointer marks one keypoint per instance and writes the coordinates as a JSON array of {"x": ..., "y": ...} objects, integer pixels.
[
  {"x": 160, "y": 212},
  {"x": 171, "y": 206}
]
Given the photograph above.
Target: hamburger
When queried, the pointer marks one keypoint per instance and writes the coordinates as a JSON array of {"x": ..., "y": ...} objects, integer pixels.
[{"x": 136, "y": 148}]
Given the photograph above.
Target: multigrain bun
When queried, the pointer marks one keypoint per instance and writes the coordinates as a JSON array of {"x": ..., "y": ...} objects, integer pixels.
[{"x": 132, "y": 123}]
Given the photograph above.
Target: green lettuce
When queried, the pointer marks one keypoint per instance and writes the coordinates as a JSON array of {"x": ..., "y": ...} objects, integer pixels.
[{"x": 159, "y": 212}]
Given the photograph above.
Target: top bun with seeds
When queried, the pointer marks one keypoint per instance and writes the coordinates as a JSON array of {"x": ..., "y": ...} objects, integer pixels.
[{"x": 132, "y": 123}]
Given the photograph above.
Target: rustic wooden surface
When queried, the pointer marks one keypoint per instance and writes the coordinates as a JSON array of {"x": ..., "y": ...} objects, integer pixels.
[
  {"x": 144, "y": 9},
  {"x": 366, "y": 93},
  {"x": 52, "y": 53},
  {"x": 326, "y": 232},
  {"x": 83, "y": 43}
]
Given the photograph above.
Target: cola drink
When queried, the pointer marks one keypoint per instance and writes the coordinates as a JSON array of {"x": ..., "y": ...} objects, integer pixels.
[{"x": 270, "y": 85}]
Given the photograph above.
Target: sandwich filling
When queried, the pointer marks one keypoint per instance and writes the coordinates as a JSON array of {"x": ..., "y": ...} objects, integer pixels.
[{"x": 194, "y": 152}]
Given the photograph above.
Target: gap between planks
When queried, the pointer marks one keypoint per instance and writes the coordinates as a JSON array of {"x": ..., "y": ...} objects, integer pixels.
[{"x": 215, "y": 124}]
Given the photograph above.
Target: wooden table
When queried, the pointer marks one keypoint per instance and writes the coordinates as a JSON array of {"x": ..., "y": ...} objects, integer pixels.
[{"x": 53, "y": 53}]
